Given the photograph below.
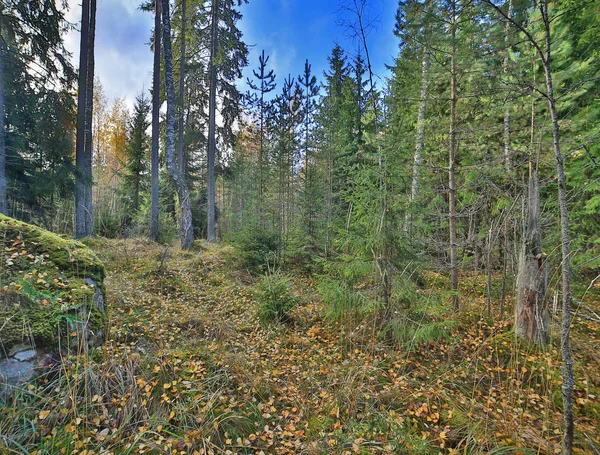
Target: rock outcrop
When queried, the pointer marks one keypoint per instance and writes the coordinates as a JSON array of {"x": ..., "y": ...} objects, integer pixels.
[{"x": 52, "y": 299}]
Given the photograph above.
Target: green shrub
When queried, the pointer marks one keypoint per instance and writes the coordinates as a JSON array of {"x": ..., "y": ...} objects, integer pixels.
[
  {"x": 258, "y": 250},
  {"x": 416, "y": 329},
  {"x": 343, "y": 302},
  {"x": 275, "y": 299}
]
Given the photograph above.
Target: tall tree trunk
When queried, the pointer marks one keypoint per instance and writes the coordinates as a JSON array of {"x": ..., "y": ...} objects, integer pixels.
[
  {"x": 565, "y": 331},
  {"x": 89, "y": 109},
  {"x": 451, "y": 166},
  {"x": 186, "y": 232},
  {"x": 506, "y": 105},
  {"x": 420, "y": 139},
  {"x": 3, "y": 181},
  {"x": 155, "y": 121},
  {"x": 80, "y": 160},
  {"x": 211, "y": 228},
  {"x": 181, "y": 128}
]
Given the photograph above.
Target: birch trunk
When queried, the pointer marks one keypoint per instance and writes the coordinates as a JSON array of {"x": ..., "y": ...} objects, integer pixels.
[{"x": 421, "y": 116}]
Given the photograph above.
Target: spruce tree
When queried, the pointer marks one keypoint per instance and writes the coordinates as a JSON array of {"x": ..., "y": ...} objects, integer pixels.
[
  {"x": 135, "y": 179},
  {"x": 264, "y": 84}
]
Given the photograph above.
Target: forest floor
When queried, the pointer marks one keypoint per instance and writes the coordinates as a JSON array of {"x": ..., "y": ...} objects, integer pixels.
[{"x": 189, "y": 369}]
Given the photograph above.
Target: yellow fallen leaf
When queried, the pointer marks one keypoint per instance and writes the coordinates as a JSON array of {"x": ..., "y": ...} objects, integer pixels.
[{"x": 43, "y": 414}]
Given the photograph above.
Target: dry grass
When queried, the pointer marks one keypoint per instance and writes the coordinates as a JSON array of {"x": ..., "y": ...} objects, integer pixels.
[{"x": 189, "y": 370}]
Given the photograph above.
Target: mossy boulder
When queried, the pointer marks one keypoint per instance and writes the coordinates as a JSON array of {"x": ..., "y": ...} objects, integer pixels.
[{"x": 52, "y": 294}]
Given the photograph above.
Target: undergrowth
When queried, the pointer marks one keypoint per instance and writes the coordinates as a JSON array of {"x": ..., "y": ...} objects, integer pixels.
[{"x": 189, "y": 368}]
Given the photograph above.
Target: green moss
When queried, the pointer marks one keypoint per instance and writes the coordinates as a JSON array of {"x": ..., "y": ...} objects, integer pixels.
[
  {"x": 98, "y": 320},
  {"x": 72, "y": 258},
  {"x": 23, "y": 321},
  {"x": 43, "y": 282}
]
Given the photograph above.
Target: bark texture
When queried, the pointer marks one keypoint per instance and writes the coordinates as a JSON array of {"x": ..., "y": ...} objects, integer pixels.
[
  {"x": 3, "y": 181},
  {"x": 186, "y": 233},
  {"x": 211, "y": 215},
  {"x": 181, "y": 126},
  {"x": 421, "y": 116},
  {"x": 565, "y": 330},
  {"x": 506, "y": 104},
  {"x": 531, "y": 313},
  {"x": 155, "y": 121},
  {"x": 81, "y": 226},
  {"x": 451, "y": 166},
  {"x": 89, "y": 109}
]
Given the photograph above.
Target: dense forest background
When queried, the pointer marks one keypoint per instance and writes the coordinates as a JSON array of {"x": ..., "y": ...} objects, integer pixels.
[{"x": 478, "y": 156}]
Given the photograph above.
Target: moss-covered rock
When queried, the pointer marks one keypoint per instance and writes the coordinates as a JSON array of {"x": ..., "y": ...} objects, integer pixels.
[{"x": 51, "y": 290}]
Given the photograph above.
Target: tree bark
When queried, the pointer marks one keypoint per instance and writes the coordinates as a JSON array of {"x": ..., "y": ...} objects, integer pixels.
[
  {"x": 181, "y": 128},
  {"x": 155, "y": 121},
  {"x": 451, "y": 166},
  {"x": 531, "y": 313},
  {"x": 565, "y": 331},
  {"x": 506, "y": 105},
  {"x": 80, "y": 161},
  {"x": 211, "y": 215},
  {"x": 89, "y": 109},
  {"x": 186, "y": 232},
  {"x": 420, "y": 140},
  {"x": 421, "y": 116},
  {"x": 3, "y": 181},
  {"x": 504, "y": 265}
]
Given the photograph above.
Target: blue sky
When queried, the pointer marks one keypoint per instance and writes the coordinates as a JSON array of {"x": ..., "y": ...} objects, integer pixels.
[{"x": 290, "y": 31}]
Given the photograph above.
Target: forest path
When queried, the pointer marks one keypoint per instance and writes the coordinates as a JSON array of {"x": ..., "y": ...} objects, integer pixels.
[{"x": 215, "y": 378}]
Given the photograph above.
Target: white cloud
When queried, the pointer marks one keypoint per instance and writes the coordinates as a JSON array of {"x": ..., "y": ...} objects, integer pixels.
[{"x": 123, "y": 58}]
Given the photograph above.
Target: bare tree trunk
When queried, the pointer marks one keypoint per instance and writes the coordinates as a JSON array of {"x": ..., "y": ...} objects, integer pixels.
[
  {"x": 181, "y": 128},
  {"x": 504, "y": 265},
  {"x": 155, "y": 121},
  {"x": 488, "y": 269},
  {"x": 531, "y": 313},
  {"x": 89, "y": 109},
  {"x": 420, "y": 140},
  {"x": 186, "y": 233},
  {"x": 80, "y": 161},
  {"x": 3, "y": 181},
  {"x": 568, "y": 379},
  {"x": 506, "y": 105},
  {"x": 211, "y": 231},
  {"x": 451, "y": 167}
]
